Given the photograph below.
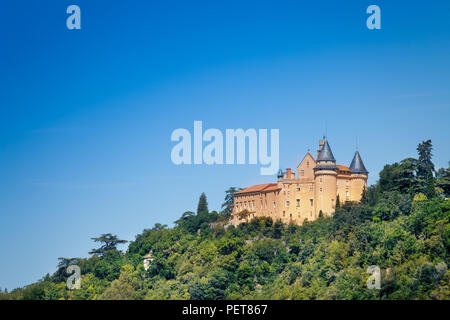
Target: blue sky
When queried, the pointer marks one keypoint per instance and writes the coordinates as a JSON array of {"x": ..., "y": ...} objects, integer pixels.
[{"x": 86, "y": 115}]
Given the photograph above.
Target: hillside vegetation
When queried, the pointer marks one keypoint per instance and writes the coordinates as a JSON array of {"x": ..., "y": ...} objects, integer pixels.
[{"x": 401, "y": 225}]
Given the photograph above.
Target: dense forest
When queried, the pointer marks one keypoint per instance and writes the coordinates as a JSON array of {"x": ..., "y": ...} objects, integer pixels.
[{"x": 401, "y": 225}]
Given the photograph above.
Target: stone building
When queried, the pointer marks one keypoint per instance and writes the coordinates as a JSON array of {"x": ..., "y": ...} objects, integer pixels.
[{"x": 315, "y": 189}]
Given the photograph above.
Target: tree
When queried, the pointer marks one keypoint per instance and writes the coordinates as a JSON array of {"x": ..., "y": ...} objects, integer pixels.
[
  {"x": 405, "y": 177},
  {"x": 227, "y": 206},
  {"x": 278, "y": 228},
  {"x": 243, "y": 215},
  {"x": 123, "y": 288},
  {"x": 159, "y": 227},
  {"x": 202, "y": 204},
  {"x": 430, "y": 190},
  {"x": 364, "y": 196},
  {"x": 109, "y": 241},
  {"x": 61, "y": 273},
  {"x": 401, "y": 177},
  {"x": 425, "y": 168},
  {"x": 425, "y": 155},
  {"x": 91, "y": 288},
  {"x": 443, "y": 180},
  {"x": 65, "y": 262},
  {"x": 212, "y": 288}
]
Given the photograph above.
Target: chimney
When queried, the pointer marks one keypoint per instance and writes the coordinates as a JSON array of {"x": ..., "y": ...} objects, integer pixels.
[{"x": 288, "y": 173}]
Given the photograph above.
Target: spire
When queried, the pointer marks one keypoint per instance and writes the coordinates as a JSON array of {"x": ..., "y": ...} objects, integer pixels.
[
  {"x": 357, "y": 165},
  {"x": 325, "y": 153}
]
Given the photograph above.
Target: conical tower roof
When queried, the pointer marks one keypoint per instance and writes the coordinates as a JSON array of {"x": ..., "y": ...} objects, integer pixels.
[
  {"x": 357, "y": 165},
  {"x": 325, "y": 153}
]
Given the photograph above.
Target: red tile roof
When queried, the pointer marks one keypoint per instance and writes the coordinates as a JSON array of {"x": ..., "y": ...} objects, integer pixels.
[
  {"x": 259, "y": 188},
  {"x": 342, "y": 168}
]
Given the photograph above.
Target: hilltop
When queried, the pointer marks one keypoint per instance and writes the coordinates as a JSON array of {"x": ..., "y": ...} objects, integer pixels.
[{"x": 401, "y": 225}]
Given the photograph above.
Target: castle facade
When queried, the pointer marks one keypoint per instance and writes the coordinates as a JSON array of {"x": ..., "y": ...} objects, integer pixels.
[{"x": 319, "y": 184}]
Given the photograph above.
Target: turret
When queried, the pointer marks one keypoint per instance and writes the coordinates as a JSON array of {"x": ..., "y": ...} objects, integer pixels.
[
  {"x": 359, "y": 175},
  {"x": 325, "y": 178},
  {"x": 357, "y": 165}
]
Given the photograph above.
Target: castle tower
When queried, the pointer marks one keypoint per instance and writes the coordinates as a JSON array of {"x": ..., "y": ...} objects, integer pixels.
[
  {"x": 359, "y": 176},
  {"x": 325, "y": 180}
]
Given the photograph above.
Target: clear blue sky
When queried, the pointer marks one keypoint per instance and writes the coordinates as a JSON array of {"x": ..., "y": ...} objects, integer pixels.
[{"x": 86, "y": 116}]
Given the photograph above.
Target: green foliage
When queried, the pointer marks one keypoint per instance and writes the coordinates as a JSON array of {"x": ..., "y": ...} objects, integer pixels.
[
  {"x": 443, "y": 180},
  {"x": 123, "y": 288},
  {"x": 109, "y": 243},
  {"x": 400, "y": 226},
  {"x": 426, "y": 165},
  {"x": 192, "y": 223},
  {"x": 202, "y": 204},
  {"x": 227, "y": 206}
]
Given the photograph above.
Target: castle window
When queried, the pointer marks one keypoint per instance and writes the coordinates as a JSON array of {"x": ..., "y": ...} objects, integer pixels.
[
  {"x": 302, "y": 172},
  {"x": 298, "y": 188},
  {"x": 307, "y": 164},
  {"x": 311, "y": 188},
  {"x": 320, "y": 179},
  {"x": 261, "y": 204},
  {"x": 253, "y": 204},
  {"x": 284, "y": 213},
  {"x": 347, "y": 183},
  {"x": 311, "y": 201},
  {"x": 346, "y": 193},
  {"x": 274, "y": 204},
  {"x": 320, "y": 189},
  {"x": 287, "y": 203},
  {"x": 289, "y": 193},
  {"x": 298, "y": 202}
]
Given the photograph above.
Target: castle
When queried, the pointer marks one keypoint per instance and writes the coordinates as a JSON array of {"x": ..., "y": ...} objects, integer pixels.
[{"x": 316, "y": 190}]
